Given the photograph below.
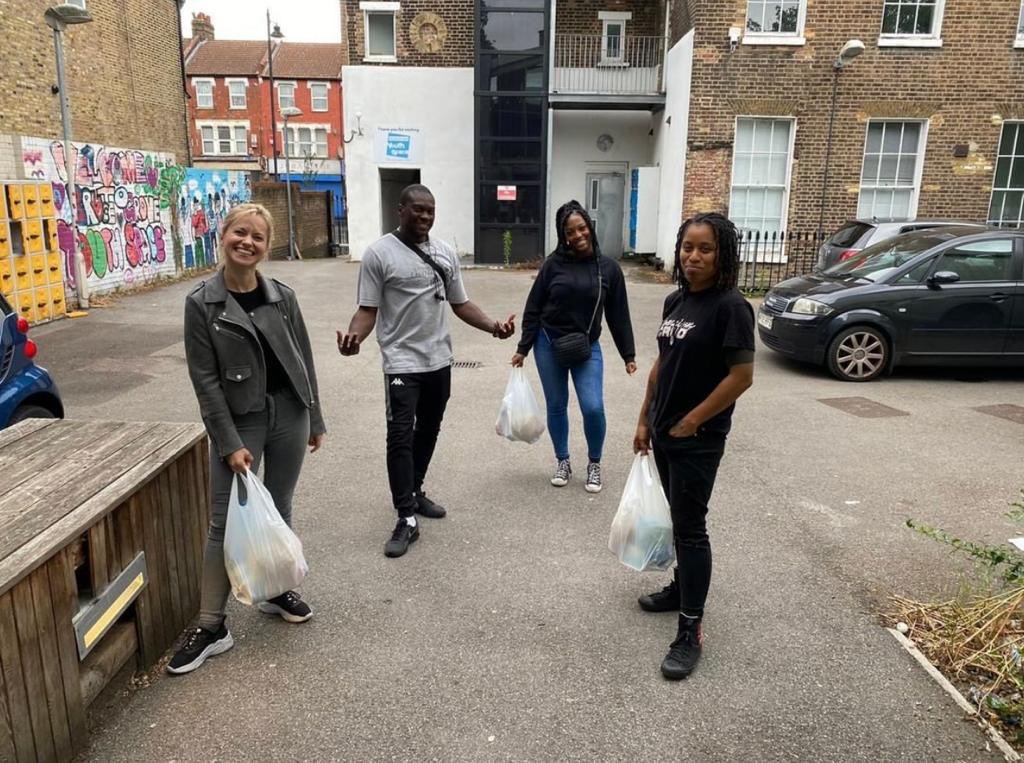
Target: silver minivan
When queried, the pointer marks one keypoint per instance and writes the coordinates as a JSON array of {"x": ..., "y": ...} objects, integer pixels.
[{"x": 855, "y": 235}]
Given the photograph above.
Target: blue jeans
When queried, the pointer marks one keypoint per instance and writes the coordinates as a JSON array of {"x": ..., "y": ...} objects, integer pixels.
[{"x": 588, "y": 379}]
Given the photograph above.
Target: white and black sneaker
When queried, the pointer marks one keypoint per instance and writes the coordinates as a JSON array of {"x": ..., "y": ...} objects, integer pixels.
[
  {"x": 593, "y": 484},
  {"x": 199, "y": 645},
  {"x": 289, "y": 606},
  {"x": 562, "y": 473}
]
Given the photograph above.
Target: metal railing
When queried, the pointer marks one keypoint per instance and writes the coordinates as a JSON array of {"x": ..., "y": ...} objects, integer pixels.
[
  {"x": 594, "y": 63},
  {"x": 770, "y": 257}
]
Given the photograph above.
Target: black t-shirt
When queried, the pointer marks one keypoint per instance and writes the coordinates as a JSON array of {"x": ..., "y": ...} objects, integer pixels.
[
  {"x": 698, "y": 330},
  {"x": 277, "y": 377}
]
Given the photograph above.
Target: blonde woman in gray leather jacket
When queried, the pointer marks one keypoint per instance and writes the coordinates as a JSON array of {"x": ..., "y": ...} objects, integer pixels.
[{"x": 251, "y": 365}]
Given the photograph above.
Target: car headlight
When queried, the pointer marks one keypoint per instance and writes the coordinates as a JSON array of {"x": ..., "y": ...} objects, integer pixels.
[{"x": 806, "y": 306}]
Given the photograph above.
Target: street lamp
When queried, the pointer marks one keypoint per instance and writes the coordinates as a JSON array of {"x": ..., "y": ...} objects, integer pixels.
[
  {"x": 849, "y": 51},
  {"x": 58, "y": 18},
  {"x": 276, "y": 34},
  {"x": 290, "y": 111}
]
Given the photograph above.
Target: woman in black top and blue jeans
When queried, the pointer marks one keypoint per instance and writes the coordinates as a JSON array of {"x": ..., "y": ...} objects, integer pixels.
[
  {"x": 567, "y": 298},
  {"x": 705, "y": 362}
]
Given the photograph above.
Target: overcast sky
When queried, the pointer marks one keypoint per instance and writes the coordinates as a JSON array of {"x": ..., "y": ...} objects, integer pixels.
[{"x": 300, "y": 20}]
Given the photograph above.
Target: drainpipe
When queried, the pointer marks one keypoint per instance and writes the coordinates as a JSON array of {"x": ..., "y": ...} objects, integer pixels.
[{"x": 184, "y": 86}]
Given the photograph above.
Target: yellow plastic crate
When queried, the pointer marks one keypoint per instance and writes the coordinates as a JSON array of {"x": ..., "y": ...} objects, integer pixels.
[
  {"x": 57, "y": 299},
  {"x": 32, "y": 236},
  {"x": 53, "y": 268},
  {"x": 30, "y": 197},
  {"x": 22, "y": 274},
  {"x": 40, "y": 273},
  {"x": 5, "y": 240},
  {"x": 46, "y": 208},
  {"x": 15, "y": 202},
  {"x": 42, "y": 310},
  {"x": 3, "y": 202},
  {"x": 26, "y": 308},
  {"x": 52, "y": 244},
  {"x": 6, "y": 277}
]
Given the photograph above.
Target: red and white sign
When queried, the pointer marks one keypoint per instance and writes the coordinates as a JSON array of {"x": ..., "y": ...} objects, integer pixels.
[{"x": 506, "y": 193}]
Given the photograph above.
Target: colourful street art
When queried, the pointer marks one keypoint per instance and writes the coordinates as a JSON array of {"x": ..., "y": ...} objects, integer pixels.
[
  {"x": 203, "y": 202},
  {"x": 128, "y": 202}
]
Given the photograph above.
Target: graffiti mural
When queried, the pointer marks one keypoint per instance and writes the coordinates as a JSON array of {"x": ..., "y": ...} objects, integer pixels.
[
  {"x": 123, "y": 227},
  {"x": 203, "y": 202}
]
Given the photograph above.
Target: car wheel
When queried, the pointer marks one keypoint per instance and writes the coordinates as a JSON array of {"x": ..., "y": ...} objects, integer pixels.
[
  {"x": 858, "y": 354},
  {"x": 30, "y": 412}
]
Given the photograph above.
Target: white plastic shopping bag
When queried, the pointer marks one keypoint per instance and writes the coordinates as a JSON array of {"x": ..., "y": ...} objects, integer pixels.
[
  {"x": 641, "y": 535},
  {"x": 520, "y": 418},
  {"x": 262, "y": 555}
]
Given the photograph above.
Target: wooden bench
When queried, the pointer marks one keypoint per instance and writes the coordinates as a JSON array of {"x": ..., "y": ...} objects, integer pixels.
[{"x": 102, "y": 531}]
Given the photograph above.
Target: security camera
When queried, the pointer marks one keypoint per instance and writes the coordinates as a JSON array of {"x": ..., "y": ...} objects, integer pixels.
[{"x": 734, "y": 37}]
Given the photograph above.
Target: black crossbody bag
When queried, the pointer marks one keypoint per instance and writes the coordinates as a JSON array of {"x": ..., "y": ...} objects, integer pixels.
[
  {"x": 574, "y": 348},
  {"x": 414, "y": 247}
]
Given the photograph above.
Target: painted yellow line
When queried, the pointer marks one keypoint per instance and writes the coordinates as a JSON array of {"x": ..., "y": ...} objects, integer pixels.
[{"x": 113, "y": 611}]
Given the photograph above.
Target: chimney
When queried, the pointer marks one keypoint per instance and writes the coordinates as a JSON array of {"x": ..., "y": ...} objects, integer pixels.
[{"x": 202, "y": 27}]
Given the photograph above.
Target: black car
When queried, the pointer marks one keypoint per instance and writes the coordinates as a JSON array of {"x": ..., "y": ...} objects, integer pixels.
[{"x": 946, "y": 296}]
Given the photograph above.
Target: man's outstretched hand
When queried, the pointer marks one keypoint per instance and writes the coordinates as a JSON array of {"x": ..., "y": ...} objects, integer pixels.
[{"x": 506, "y": 329}]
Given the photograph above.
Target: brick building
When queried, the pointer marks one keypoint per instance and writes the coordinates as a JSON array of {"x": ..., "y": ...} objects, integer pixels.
[
  {"x": 927, "y": 121},
  {"x": 230, "y": 108},
  {"x": 127, "y": 106}
]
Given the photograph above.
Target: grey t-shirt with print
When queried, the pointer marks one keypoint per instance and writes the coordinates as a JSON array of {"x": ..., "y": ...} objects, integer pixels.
[{"x": 412, "y": 324}]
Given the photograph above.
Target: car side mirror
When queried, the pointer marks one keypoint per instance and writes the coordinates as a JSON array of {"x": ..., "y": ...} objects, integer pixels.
[{"x": 943, "y": 277}]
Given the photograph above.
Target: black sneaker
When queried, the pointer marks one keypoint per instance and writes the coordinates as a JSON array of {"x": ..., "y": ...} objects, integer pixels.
[
  {"x": 199, "y": 645},
  {"x": 562, "y": 473},
  {"x": 289, "y": 606},
  {"x": 403, "y": 535},
  {"x": 665, "y": 600},
  {"x": 684, "y": 653},
  {"x": 427, "y": 508},
  {"x": 593, "y": 484}
]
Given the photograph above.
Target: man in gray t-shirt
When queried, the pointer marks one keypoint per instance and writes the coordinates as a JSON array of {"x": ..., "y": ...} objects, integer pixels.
[{"x": 405, "y": 279}]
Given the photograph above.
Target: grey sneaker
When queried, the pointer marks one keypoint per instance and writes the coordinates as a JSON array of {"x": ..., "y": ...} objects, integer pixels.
[
  {"x": 593, "y": 484},
  {"x": 562, "y": 473}
]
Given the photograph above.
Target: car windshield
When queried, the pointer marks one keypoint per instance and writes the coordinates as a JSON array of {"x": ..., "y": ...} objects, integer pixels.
[{"x": 876, "y": 262}]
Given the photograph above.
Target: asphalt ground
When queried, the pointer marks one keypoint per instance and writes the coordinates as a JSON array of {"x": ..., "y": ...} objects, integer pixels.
[{"x": 509, "y": 632}]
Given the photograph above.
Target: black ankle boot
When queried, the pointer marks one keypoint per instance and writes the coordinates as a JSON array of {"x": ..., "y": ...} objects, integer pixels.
[
  {"x": 665, "y": 600},
  {"x": 684, "y": 653}
]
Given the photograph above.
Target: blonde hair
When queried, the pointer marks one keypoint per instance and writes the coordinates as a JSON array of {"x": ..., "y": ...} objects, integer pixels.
[{"x": 244, "y": 210}]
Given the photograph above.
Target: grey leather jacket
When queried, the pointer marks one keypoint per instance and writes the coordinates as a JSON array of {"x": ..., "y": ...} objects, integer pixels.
[{"x": 225, "y": 359}]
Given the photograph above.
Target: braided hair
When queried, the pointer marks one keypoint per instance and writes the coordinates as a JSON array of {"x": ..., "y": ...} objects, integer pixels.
[
  {"x": 727, "y": 242},
  {"x": 564, "y": 213}
]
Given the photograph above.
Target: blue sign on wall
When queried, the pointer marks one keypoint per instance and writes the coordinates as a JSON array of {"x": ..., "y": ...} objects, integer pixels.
[{"x": 398, "y": 145}]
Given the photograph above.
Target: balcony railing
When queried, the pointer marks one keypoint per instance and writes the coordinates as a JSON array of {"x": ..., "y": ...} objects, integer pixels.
[{"x": 607, "y": 65}]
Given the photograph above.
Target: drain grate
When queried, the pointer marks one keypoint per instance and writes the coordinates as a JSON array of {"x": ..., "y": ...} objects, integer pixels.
[
  {"x": 1014, "y": 413},
  {"x": 467, "y": 364},
  {"x": 862, "y": 407}
]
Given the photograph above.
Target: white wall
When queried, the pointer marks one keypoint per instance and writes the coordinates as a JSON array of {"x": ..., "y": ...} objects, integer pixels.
[
  {"x": 439, "y": 102},
  {"x": 670, "y": 144},
  {"x": 575, "y": 153}
]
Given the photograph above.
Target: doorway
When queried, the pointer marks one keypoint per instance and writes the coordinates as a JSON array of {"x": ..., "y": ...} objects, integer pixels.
[
  {"x": 605, "y": 199},
  {"x": 392, "y": 183}
]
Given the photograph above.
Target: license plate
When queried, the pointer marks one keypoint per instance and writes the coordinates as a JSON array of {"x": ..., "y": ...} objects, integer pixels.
[{"x": 765, "y": 320}]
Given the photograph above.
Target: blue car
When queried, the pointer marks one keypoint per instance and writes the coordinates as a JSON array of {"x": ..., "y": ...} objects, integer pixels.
[{"x": 26, "y": 390}]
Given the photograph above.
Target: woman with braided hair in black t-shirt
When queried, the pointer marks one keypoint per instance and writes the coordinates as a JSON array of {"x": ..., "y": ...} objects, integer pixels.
[{"x": 705, "y": 362}]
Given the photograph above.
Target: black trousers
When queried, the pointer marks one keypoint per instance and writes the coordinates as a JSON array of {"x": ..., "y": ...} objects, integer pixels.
[
  {"x": 415, "y": 408},
  {"x": 688, "y": 467}
]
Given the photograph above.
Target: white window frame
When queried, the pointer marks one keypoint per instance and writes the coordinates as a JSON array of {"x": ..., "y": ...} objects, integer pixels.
[
  {"x": 369, "y": 7},
  {"x": 918, "y": 169},
  {"x": 778, "y": 38},
  {"x": 1019, "y": 40},
  {"x": 233, "y": 125},
  {"x": 1014, "y": 158},
  {"x": 313, "y": 98},
  {"x": 619, "y": 19},
  {"x": 231, "y": 97},
  {"x": 313, "y": 127},
  {"x": 777, "y": 253},
  {"x": 931, "y": 40},
  {"x": 278, "y": 84},
  {"x": 196, "y": 82}
]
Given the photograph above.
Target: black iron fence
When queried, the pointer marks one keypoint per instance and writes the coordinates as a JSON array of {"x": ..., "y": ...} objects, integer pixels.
[{"x": 770, "y": 257}]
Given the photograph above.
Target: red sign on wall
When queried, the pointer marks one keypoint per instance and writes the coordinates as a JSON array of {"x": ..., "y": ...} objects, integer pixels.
[{"x": 506, "y": 193}]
